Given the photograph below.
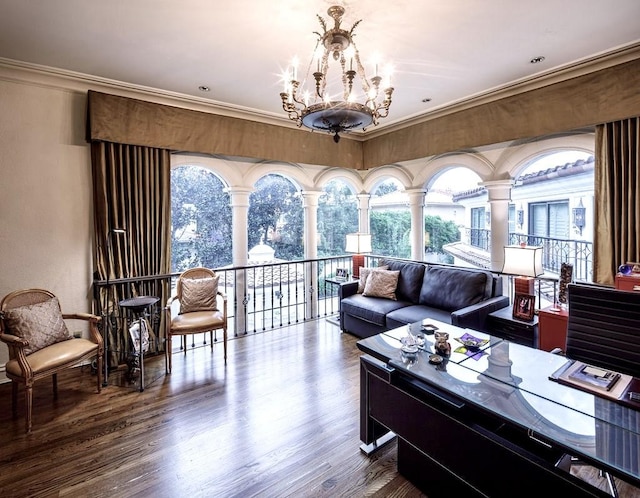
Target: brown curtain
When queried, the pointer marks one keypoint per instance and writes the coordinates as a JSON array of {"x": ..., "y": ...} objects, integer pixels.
[
  {"x": 132, "y": 191},
  {"x": 617, "y": 198}
]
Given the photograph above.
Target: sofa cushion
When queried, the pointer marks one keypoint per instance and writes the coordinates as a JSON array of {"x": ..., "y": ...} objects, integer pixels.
[
  {"x": 364, "y": 274},
  {"x": 370, "y": 309},
  {"x": 453, "y": 288},
  {"x": 416, "y": 313},
  {"x": 382, "y": 283},
  {"x": 41, "y": 324},
  {"x": 410, "y": 279}
]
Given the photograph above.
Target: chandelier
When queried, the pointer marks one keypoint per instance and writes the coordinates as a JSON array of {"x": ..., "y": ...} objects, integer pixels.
[{"x": 319, "y": 110}]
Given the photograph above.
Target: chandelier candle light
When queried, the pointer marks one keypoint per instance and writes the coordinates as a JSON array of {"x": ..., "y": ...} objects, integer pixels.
[{"x": 327, "y": 112}]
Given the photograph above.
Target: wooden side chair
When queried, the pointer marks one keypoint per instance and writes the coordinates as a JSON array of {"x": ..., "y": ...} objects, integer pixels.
[
  {"x": 40, "y": 345},
  {"x": 203, "y": 308}
]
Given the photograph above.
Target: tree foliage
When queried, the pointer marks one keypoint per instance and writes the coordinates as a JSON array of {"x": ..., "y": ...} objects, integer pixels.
[
  {"x": 276, "y": 217},
  {"x": 386, "y": 187},
  {"x": 440, "y": 232},
  {"x": 390, "y": 231},
  {"x": 337, "y": 216},
  {"x": 201, "y": 226}
]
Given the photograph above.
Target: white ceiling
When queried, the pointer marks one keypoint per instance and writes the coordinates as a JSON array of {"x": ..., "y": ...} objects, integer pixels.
[{"x": 445, "y": 50}]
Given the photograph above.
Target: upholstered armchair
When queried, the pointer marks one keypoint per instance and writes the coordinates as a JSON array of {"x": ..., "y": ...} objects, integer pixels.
[
  {"x": 202, "y": 308},
  {"x": 40, "y": 344}
]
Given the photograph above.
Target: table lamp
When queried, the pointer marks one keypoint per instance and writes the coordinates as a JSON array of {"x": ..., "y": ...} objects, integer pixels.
[
  {"x": 525, "y": 262},
  {"x": 359, "y": 244}
]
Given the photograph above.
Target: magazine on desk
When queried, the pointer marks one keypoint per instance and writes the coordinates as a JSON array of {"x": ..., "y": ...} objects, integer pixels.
[{"x": 596, "y": 380}]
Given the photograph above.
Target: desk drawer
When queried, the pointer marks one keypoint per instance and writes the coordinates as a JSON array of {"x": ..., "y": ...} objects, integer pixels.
[{"x": 517, "y": 332}]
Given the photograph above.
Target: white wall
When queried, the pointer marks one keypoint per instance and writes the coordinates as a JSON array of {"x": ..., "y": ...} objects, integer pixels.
[{"x": 45, "y": 195}]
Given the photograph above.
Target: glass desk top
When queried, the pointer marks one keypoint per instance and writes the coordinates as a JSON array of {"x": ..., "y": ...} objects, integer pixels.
[{"x": 512, "y": 380}]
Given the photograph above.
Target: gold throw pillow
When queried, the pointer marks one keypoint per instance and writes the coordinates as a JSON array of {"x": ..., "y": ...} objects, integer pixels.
[
  {"x": 41, "y": 324},
  {"x": 199, "y": 294}
]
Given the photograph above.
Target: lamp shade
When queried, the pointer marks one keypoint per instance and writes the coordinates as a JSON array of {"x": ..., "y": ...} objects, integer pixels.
[
  {"x": 523, "y": 261},
  {"x": 358, "y": 243}
]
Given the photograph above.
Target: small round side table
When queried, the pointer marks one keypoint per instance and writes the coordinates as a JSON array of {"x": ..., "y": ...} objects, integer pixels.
[{"x": 138, "y": 307}]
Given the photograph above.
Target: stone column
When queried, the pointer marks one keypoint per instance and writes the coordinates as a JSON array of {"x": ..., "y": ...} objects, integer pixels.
[
  {"x": 310, "y": 206},
  {"x": 499, "y": 192},
  {"x": 416, "y": 207},
  {"x": 364, "y": 225},
  {"x": 239, "y": 200}
]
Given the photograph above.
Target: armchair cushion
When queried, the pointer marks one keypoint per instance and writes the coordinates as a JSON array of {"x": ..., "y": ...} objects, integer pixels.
[
  {"x": 199, "y": 294},
  {"x": 40, "y": 324},
  {"x": 53, "y": 356}
]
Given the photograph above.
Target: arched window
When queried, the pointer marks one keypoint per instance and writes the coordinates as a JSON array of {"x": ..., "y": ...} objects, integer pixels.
[
  {"x": 201, "y": 227},
  {"x": 337, "y": 216}
]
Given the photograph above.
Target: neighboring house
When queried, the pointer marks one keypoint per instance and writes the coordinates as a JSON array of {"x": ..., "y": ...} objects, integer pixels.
[
  {"x": 437, "y": 203},
  {"x": 553, "y": 206}
]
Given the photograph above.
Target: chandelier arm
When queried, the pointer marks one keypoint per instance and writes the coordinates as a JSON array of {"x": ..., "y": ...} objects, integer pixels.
[
  {"x": 360, "y": 70},
  {"x": 324, "y": 69}
]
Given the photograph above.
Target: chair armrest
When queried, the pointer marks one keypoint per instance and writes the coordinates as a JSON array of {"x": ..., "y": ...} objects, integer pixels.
[
  {"x": 170, "y": 301},
  {"x": 82, "y": 316},
  {"x": 14, "y": 340},
  {"x": 224, "y": 304},
  {"x": 16, "y": 351},
  {"x": 93, "y": 325},
  {"x": 475, "y": 316}
]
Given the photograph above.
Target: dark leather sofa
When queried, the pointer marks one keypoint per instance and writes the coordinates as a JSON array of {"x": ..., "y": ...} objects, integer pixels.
[{"x": 460, "y": 296}]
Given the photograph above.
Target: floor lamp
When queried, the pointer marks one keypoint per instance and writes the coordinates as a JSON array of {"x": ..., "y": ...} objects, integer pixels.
[
  {"x": 107, "y": 326},
  {"x": 359, "y": 244},
  {"x": 525, "y": 263}
]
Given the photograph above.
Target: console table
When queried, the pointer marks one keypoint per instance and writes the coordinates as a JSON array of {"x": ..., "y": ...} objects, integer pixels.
[{"x": 492, "y": 423}]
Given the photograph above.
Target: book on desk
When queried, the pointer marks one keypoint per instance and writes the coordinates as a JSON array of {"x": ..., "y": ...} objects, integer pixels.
[{"x": 595, "y": 380}]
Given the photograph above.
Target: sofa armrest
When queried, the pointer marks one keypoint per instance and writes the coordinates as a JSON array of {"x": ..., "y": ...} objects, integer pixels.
[
  {"x": 475, "y": 316},
  {"x": 347, "y": 289}
]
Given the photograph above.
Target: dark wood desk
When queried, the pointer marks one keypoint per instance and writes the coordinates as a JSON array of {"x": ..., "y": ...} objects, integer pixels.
[{"x": 491, "y": 424}]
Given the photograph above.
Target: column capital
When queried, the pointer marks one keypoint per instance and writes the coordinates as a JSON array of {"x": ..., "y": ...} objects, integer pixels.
[
  {"x": 416, "y": 195},
  {"x": 499, "y": 190},
  {"x": 310, "y": 197},
  {"x": 363, "y": 200},
  {"x": 239, "y": 195}
]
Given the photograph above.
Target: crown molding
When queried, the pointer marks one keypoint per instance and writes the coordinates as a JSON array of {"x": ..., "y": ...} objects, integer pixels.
[
  {"x": 46, "y": 76},
  {"x": 592, "y": 64}
]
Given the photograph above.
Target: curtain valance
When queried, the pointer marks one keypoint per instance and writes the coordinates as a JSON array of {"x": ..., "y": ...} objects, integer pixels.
[{"x": 136, "y": 122}]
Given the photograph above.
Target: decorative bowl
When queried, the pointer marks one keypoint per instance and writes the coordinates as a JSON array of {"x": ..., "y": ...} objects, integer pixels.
[
  {"x": 471, "y": 343},
  {"x": 625, "y": 269},
  {"x": 436, "y": 359}
]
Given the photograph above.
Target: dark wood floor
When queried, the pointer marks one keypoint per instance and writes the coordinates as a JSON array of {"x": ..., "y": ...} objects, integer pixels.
[{"x": 281, "y": 419}]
